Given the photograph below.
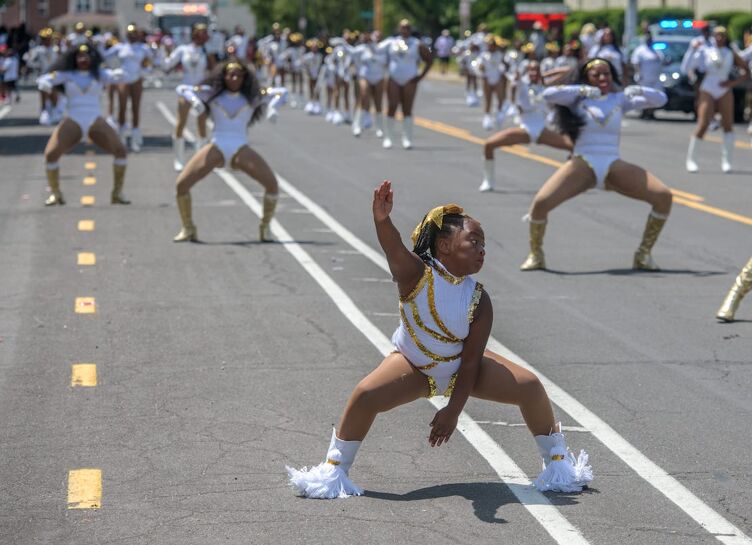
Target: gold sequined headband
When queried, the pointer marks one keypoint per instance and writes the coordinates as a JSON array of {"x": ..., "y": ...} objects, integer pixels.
[
  {"x": 83, "y": 48},
  {"x": 234, "y": 66},
  {"x": 595, "y": 62},
  {"x": 436, "y": 216}
]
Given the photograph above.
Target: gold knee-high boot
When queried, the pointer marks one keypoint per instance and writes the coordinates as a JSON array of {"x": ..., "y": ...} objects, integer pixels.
[
  {"x": 188, "y": 232},
  {"x": 53, "y": 181},
  {"x": 270, "y": 205},
  {"x": 535, "y": 259},
  {"x": 643, "y": 261},
  {"x": 742, "y": 286},
  {"x": 118, "y": 179}
]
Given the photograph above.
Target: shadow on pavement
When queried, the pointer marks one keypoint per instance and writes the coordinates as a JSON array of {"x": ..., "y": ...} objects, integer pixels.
[
  {"x": 629, "y": 272},
  {"x": 19, "y": 122},
  {"x": 486, "y": 498}
]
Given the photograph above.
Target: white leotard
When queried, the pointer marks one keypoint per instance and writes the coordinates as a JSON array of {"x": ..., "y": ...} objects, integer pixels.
[
  {"x": 192, "y": 58},
  {"x": 531, "y": 107},
  {"x": 490, "y": 66},
  {"x": 312, "y": 63},
  {"x": 598, "y": 142},
  {"x": 42, "y": 57},
  {"x": 231, "y": 113},
  {"x": 404, "y": 58},
  {"x": 371, "y": 62},
  {"x": 717, "y": 63},
  {"x": 435, "y": 320},
  {"x": 82, "y": 92},
  {"x": 132, "y": 56}
]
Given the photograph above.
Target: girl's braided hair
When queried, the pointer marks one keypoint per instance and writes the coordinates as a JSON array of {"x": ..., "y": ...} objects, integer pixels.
[{"x": 425, "y": 243}]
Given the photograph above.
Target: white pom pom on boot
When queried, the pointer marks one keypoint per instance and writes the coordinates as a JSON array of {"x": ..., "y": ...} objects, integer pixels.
[
  {"x": 329, "y": 479},
  {"x": 562, "y": 472}
]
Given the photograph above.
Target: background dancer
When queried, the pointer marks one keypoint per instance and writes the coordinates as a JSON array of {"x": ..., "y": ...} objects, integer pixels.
[
  {"x": 491, "y": 67},
  {"x": 234, "y": 101},
  {"x": 446, "y": 319},
  {"x": 405, "y": 52},
  {"x": 134, "y": 55},
  {"x": 195, "y": 63},
  {"x": 716, "y": 60},
  {"x": 80, "y": 74},
  {"x": 590, "y": 114},
  {"x": 531, "y": 111}
]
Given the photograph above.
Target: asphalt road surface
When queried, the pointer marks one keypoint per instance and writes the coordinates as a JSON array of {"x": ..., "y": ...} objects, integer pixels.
[{"x": 218, "y": 363}]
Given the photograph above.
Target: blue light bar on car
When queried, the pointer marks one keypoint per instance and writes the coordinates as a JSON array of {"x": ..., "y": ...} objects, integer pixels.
[
  {"x": 659, "y": 46},
  {"x": 687, "y": 24},
  {"x": 669, "y": 24}
]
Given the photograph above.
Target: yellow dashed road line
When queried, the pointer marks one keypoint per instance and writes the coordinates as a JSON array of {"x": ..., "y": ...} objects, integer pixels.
[
  {"x": 90, "y": 180},
  {"x": 680, "y": 197},
  {"x": 88, "y": 200},
  {"x": 84, "y": 374},
  {"x": 90, "y": 165},
  {"x": 85, "y": 489},
  {"x": 86, "y": 258},
  {"x": 86, "y": 225},
  {"x": 86, "y": 305}
]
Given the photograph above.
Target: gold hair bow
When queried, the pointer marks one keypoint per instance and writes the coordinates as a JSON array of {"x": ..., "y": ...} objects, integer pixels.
[{"x": 437, "y": 217}]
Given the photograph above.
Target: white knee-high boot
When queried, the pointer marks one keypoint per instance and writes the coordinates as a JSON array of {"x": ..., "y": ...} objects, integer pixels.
[
  {"x": 562, "y": 472},
  {"x": 489, "y": 176},
  {"x": 407, "y": 132},
  {"x": 178, "y": 146},
  {"x": 388, "y": 132},
  {"x": 329, "y": 479},
  {"x": 379, "y": 122},
  {"x": 727, "y": 151},
  {"x": 691, "y": 163}
]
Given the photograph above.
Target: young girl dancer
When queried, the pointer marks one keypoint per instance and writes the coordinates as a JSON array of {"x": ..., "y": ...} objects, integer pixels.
[
  {"x": 405, "y": 52},
  {"x": 195, "y": 63},
  {"x": 716, "y": 61},
  {"x": 446, "y": 319},
  {"x": 531, "y": 110},
  {"x": 742, "y": 286},
  {"x": 80, "y": 74},
  {"x": 233, "y": 99},
  {"x": 134, "y": 55},
  {"x": 590, "y": 114}
]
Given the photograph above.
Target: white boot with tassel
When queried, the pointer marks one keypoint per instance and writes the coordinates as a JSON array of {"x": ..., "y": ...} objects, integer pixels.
[
  {"x": 329, "y": 479},
  {"x": 562, "y": 472}
]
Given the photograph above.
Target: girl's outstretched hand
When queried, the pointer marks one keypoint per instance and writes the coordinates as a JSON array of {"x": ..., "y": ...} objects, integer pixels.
[{"x": 383, "y": 200}]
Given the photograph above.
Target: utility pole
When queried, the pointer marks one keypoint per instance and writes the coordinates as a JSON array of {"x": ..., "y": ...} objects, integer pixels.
[
  {"x": 464, "y": 16},
  {"x": 377, "y": 17}
]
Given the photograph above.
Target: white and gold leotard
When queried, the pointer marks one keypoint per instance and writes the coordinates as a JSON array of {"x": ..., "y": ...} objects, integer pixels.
[{"x": 435, "y": 319}]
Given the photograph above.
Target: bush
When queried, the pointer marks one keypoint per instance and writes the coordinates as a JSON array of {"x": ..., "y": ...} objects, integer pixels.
[
  {"x": 502, "y": 27},
  {"x": 723, "y": 17},
  {"x": 654, "y": 15},
  {"x": 737, "y": 25},
  {"x": 612, "y": 17}
]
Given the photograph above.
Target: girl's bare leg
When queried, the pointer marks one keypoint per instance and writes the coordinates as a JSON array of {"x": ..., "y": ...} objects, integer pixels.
[
  {"x": 409, "y": 90},
  {"x": 487, "y": 96},
  {"x": 393, "y": 96},
  {"x": 571, "y": 179},
  {"x": 507, "y": 137},
  {"x": 122, "y": 90},
  {"x": 254, "y": 165},
  {"x": 393, "y": 383},
  {"x": 183, "y": 109},
  {"x": 64, "y": 137},
  {"x": 201, "y": 125},
  {"x": 106, "y": 138},
  {"x": 555, "y": 140},
  {"x": 136, "y": 91},
  {"x": 378, "y": 96},
  {"x": 502, "y": 381},
  {"x": 201, "y": 164},
  {"x": 637, "y": 183},
  {"x": 365, "y": 92},
  {"x": 705, "y": 112}
]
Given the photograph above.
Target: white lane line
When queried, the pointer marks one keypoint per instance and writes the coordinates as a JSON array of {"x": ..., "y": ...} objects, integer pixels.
[
  {"x": 682, "y": 497},
  {"x": 704, "y": 515},
  {"x": 5, "y": 110},
  {"x": 509, "y": 472}
]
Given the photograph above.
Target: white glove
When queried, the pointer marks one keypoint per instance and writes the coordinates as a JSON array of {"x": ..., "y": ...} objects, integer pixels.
[
  {"x": 197, "y": 106},
  {"x": 633, "y": 91},
  {"x": 590, "y": 92},
  {"x": 271, "y": 115}
]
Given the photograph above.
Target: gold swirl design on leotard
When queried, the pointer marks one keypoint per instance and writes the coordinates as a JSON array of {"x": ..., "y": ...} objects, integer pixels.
[
  {"x": 474, "y": 300},
  {"x": 455, "y": 280},
  {"x": 448, "y": 336},
  {"x": 433, "y": 388},
  {"x": 419, "y": 286},
  {"x": 421, "y": 346}
]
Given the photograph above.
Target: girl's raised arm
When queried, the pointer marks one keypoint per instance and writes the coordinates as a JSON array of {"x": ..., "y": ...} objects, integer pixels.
[{"x": 405, "y": 266}]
